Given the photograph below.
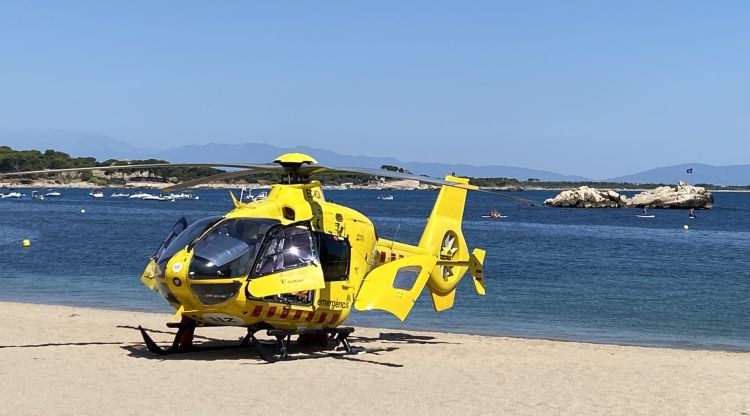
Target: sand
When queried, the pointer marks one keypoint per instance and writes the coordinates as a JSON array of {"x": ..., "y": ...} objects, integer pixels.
[{"x": 57, "y": 360}]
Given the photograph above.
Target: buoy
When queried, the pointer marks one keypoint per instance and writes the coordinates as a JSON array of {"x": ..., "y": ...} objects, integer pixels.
[
  {"x": 685, "y": 226},
  {"x": 83, "y": 211},
  {"x": 26, "y": 243}
]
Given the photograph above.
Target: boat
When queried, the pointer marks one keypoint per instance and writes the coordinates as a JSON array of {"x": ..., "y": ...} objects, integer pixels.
[
  {"x": 158, "y": 198},
  {"x": 385, "y": 197},
  {"x": 37, "y": 196},
  {"x": 494, "y": 215},
  {"x": 139, "y": 195},
  {"x": 250, "y": 197},
  {"x": 646, "y": 214},
  {"x": 52, "y": 194},
  {"x": 119, "y": 195},
  {"x": 96, "y": 193},
  {"x": 12, "y": 195},
  {"x": 184, "y": 195}
]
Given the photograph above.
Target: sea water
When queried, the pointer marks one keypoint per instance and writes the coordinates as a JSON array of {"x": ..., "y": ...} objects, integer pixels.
[{"x": 600, "y": 275}]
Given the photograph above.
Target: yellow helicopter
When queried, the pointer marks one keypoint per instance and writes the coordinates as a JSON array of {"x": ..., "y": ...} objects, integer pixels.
[{"x": 296, "y": 264}]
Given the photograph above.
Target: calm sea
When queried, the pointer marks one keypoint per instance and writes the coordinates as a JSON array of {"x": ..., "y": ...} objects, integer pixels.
[{"x": 599, "y": 275}]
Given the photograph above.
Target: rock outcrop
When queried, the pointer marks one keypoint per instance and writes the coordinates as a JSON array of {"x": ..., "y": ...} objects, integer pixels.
[
  {"x": 585, "y": 197},
  {"x": 683, "y": 196}
]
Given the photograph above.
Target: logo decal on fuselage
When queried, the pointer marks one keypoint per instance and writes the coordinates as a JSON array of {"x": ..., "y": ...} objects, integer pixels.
[{"x": 333, "y": 304}]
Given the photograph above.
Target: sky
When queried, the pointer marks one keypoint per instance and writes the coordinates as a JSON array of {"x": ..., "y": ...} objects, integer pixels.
[{"x": 591, "y": 88}]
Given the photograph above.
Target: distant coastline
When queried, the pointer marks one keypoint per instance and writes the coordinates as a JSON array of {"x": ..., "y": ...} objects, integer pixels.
[{"x": 395, "y": 185}]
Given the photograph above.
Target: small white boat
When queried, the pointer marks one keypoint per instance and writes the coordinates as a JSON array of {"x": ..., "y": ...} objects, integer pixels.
[
  {"x": 12, "y": 195},
  {"x": 159, "y": 198},
  {"x": 37, "y": 196},
  {"x": 96, "y": 193},
  {"x": 184, "y": 195},
  {"x": 385, "y": 197},
  {"x": 52, "y": 194},
  {"x": 646, "y": 214},
  {"x": 118, "y": 195},
  {"x": 140, "y": 195},
  {"x": 250, "y": 197}
]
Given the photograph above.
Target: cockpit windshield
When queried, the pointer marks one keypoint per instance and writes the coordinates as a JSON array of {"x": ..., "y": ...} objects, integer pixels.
[
  {"x": 229, "y": 248},
  {"x": 183, "y": 239}
]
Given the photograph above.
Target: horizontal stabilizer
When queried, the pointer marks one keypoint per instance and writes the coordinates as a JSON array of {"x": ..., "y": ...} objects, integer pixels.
[{"x": 443, "y": 301}]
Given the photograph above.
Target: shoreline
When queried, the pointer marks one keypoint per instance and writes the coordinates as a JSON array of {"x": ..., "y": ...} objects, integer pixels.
[
  {"x": 67, "y": 360},
  {"x": 254, "y": 186},
  {"x": 516, "y": 336}
]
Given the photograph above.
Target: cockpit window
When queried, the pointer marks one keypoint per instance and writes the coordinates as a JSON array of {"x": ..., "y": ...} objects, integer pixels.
[
  {"x": 284, "y": 249},
  {"x": 228, "y": 250},
  {"x": 183, "y": 239}
]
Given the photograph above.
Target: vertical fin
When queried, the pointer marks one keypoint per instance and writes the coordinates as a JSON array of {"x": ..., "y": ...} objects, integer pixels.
[
  {"x": 476, "y": 266},
  {"x": 443, "y": 301}
]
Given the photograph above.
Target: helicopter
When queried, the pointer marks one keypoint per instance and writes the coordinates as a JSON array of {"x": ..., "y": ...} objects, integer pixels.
[{"x": 296, "y": 264}]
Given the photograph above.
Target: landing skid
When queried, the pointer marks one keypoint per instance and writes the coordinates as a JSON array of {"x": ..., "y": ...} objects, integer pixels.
[{"x": 182, "y": 342}]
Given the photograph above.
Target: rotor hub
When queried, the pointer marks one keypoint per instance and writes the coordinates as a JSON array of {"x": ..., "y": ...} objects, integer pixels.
[{"x": 292, "y": 164}]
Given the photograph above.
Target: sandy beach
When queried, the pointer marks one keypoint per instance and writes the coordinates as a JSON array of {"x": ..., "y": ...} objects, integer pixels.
[{"x": 77, "y": 361}]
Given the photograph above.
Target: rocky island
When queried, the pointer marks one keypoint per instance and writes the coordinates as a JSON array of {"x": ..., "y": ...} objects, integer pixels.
[{"x": 683, "y": 196}]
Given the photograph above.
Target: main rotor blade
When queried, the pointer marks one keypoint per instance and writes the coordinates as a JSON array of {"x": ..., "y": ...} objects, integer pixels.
[
  {"x": 221, "y": 176},
  {"x": 524, "y": 201},
  {"x": 317, "y": 170},
  {"x": 259, "y": 168}
]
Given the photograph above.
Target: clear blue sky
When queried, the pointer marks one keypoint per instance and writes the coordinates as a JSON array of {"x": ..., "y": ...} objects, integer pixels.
[{"x": 591, "y": 88}]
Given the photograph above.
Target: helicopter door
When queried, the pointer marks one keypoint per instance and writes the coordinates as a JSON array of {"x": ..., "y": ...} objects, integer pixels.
[
  {"x": 395, "y": 286},
  {"x": 288, "y": 263}
]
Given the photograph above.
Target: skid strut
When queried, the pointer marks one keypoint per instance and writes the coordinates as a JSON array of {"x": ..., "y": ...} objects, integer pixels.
[{"x": 336, "y": 335}]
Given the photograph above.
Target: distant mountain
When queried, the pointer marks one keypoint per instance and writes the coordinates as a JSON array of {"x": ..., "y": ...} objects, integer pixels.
[
  {"x": 75, "y": 143},
  {"x": 701, "y": 173},
  {"x": 255, "y": 153},
  {"x": 102, "y": 147}
]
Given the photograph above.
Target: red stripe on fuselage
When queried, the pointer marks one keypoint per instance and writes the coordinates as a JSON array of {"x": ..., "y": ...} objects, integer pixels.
[
  {"x": 322, "y": 318},
  {"x": 256, "y": 311},
  {"x": 271, "y": 312}
]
